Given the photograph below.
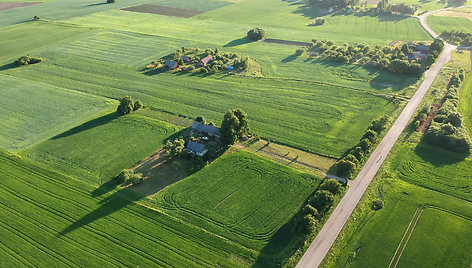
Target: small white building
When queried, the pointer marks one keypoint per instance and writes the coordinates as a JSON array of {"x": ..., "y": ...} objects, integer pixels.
[{"x": 196, "y": 148}]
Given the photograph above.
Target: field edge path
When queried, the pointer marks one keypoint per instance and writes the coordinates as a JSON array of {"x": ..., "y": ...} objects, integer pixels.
[{"x": 331, "y": 229}]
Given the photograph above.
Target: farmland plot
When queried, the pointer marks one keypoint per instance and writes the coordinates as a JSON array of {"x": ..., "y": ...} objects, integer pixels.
[
  {"x": 99, "y": 149},
  {"x": 240, "y": 196},
  {"x": 58, "y": 223}
]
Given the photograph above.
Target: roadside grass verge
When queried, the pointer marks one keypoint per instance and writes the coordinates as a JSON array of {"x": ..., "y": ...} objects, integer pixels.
[
  {"x": 33, "y": 112},
  {"x": 58, "y": 223},
  {"x": 99, "y": 149},
  {"x": 242, "y": 197}
]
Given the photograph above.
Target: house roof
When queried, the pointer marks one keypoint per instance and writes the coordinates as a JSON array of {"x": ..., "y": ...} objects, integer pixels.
[
  {"x": 207, "y": 59},
  {"x": 206, "y": 128},
  {"x": 195, "y": 147},
  {"x": 185, "y": 58},
  {"x": 171, "y": 63}
]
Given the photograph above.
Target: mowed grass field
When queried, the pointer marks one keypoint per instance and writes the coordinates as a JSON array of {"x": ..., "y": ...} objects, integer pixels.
[
  {"x": 51, "y": 220},
  {"x": 307, "y": 115},
  {"x": 441, "y": 238},
  {"x": 243, "y": 197},
  {"x": 98, "y": 150},
  {"x": 441, "y": 24},
  {"x": 464, "y": 102}
]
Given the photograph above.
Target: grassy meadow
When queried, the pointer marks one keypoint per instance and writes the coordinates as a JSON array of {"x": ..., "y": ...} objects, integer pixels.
[
  {"x": 98, "y": 150},
  {"x": 442, "y": 23},
  {"x": 465, "y": 100},
  {"x": 243, "y": 197},
  {"x": 59, "y": 221}
]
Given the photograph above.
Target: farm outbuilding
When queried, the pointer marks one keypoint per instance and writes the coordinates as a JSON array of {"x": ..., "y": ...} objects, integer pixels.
[
  {"x": 172, "y": 64},
  {"x": 205, "y": 61},
  {"x": 185, "y": 58},
  {"x": 196, "y": 148},
  {"x": 206, "y": 129}
]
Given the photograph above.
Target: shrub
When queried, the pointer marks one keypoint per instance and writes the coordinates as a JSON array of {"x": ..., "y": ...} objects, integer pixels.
[
  {"x": 256, "y": 34},
  {"x": 126, "y": 105},
  {"x": 191, "y": 68},
  {"x": 322, "y": 201},
  {"x": 331, "y": 185},
  {"x": 300, "y": 51},
  {"x": 25, "y": 60},
  {"x": 319, "y": 21},
  {"x": 110, "y": 1},
  {"x": 36, "y": 18},
  {"x": 137, "y": 105},
  {"x": 377, "y": 204},
  {"x": 201, "y": 119}
]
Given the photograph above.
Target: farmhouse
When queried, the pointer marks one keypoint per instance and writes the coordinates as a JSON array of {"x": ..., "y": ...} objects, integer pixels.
[
  {"x": 172, "y": 64},
  {"x": 205, "y": 61},
  {"x": 196, "y": 148},
  {"x": 186, "y": 58},
  {"x": 201, "y": 128}
]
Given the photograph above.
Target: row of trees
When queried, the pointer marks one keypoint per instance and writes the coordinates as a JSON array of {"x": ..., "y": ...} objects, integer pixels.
[
  {"x": 392, "y": 59},
  {"x": 318, "y": 205},
  {"x": 402, "y": 8},
  {"x": 458, "y": 37},
  {"x": 348, "y": 164},
  {"x": 128, "y": 105},
  {"x": 447, "y": 129}
]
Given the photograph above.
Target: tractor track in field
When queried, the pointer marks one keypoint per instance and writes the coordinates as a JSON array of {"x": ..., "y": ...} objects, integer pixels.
[{"x": 320, "y": 247}]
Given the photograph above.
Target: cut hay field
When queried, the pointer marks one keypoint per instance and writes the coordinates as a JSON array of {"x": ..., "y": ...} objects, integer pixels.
[
  {"x": 243, "y": 197},
  {"x": 51, "y": 220},
  {"x": 441, "y": 24},
  {"x": 98, "y": 150},
  {"x": 32, "y": 112},
  {"x": 302, "y": 114},
  {"x": 439, "y": 239}
]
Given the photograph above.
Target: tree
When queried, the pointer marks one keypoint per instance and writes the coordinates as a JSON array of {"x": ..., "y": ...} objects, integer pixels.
[
  {"x": 399, "y": 66},
  {"x": 331, "y": 185},
  {"x": 322, "y": 200},
  {"x": 310, "y": 210},
  {"x": 256, "y": 34},
  {"x": 382, "y": 5},
  {"x": 137, "y": 105},
  {"x": 437, "y": 46},
  {"x": 307, "y": 224},
  {"x": 174, "y": 148},
  {"x": 379, "y": 124},
  {"x": 126, "y": 105},
  {"x": 235, "y": 125},
  {"x": 345, "y": 168},
  {"x": 370, "y": 135},
  {"x": 365, "y": 144},
  {"x": 406, "y": 49}
]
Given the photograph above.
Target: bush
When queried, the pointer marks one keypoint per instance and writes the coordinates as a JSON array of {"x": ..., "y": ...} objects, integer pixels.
[
  {"x": 126, "y": 105},
  {"x": 25, "y": 60},
  {"x": 331, "y": 185},
  {"x": 191, "y": 68},
  {"x": 36, "y": 18},
  {"x": 300, "y": 51},
  {"x": 137, "y": 105},
  {"x": 256, "y": 34},
  {"x": 322, "y": 201},
  {"x": 319, "y": 21},
  {"x": 377, "y": 204},
  {"x": 201, "y": 119}
]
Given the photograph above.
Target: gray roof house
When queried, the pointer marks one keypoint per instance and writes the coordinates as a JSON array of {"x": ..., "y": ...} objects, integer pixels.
[
  {"x": 207, "y": 129},
  {"x": 196, "y": 148},
  {"x": 172, "y": 64}
]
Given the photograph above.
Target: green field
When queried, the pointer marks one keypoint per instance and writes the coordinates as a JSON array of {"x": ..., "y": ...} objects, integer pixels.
[
  {"x": 440, "y": 239},
  {"x": 306, "y": 115},
  {"x": 98, "y": 150},
  {"x": 441, "y": 24},
  {"x": 243, "y": 197},
  {"x": 32, "y": 112},
  {"x": 58, "y": 223},
  {"x": 464, "y": 103}
]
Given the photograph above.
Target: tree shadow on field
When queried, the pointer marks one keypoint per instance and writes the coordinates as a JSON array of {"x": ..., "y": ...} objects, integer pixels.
[
  {"x": 290, "y": 58},
  {"x": 104, "y": 188},
  {"x": 108, "y": 205},
  {"x": 96, "y": 4},
  {"x": 436, "y": 156},
  {"x": 8, "y": 66},
  {"x": 151, "y": 72},
  {"x": 89, "y": 125},
  {"x": 238, "y": 42}
]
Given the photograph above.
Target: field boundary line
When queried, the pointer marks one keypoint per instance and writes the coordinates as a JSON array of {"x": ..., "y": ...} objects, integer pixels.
[
  {"x": 406, "y": 242},
  {"x": 404, "y": 235}
]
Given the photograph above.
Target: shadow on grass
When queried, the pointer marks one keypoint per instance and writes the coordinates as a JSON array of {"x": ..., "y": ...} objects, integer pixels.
[
  {"x": 290, "y": 58},
  {"x": 8, "y": 66},
  {"x": 97, "y": 4},
  {"x": 104, "y": 188},
  {"x": 238, "y": 42},
  {"x": 108, "y": 205},
  {"x": 151, "y": 72},
  {"x": 436, "y": 156},
  {"x": 89, "y": 125}
]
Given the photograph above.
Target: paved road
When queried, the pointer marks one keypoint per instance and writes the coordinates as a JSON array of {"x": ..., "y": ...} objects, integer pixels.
[{"x": 330, "y": 231}]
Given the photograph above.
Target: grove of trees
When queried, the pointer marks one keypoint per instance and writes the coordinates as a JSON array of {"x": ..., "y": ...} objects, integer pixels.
[
  {"x": 128, "y": 105},
  {"x": 256, "y": 34},
  {"x": 235, "y": 125}
]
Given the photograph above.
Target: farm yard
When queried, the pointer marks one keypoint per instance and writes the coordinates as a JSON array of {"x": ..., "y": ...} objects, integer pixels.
[{"x": 68, "y": 136}]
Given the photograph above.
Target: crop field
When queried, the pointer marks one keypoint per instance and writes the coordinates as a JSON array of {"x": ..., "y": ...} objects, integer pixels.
[
  {"x": 98, "y": 150},
  {"x": 464, "y": 102},
  {"x": 40, "y": 109},
  {"x": 441, "y": 24},
  {"x": 441, "y": 237},
  {"x": 302, "y": 114},
  {"x": 58, "y": 223},
  {"x": 240, "y": 196}
]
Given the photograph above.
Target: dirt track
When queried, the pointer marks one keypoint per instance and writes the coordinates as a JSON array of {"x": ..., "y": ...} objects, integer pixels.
[
  {"x": 11, "y": 5},
  {"x": 330, "y": 231}
]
